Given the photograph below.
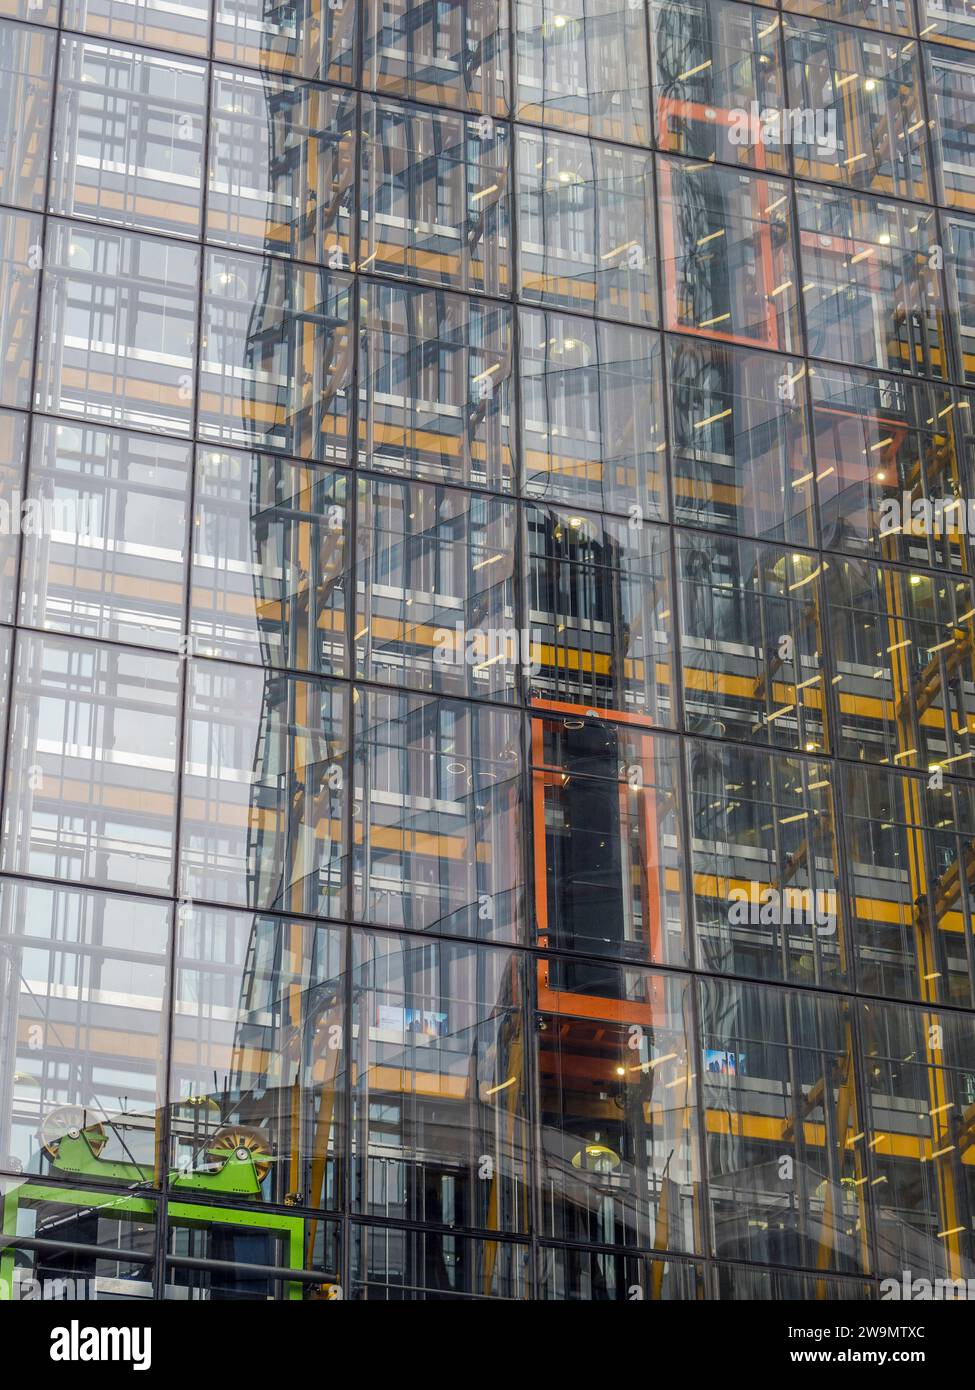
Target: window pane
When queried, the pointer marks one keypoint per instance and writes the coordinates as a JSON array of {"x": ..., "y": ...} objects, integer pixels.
[
  {"x": 602, "y": 1276},
  {"x": 269, "y": 562},
  {"x": 316, "y": 41},
  {"x": 785, "y": 1154},
  {"x": 440, "y": 1097},
  {"x": 592, "y": 426},
  {"x": 118, "y": 328},
  {"x": 129, "y": 136},
  {"x": 83, "y": 1056},
  {"x": 400, "y": 1265},
  {"x": 435, "y": 591},
  {"x": 606, "y": 844},
  {"x": 276, "y": 364},
  {"x": 726, "y": 255},
  {"x": 20, "y": 259},
  {"x": 260, "y": 1016},
  {"x": 282, "y": 165},
  {"x": 617, "y": 1108},
  {"x": 110, "y": 563},
  {"x": 750, "y": 643},
  {"x": 239, "y": 1247},
  {"x": 740, "y": 441},
  {"x": 434, "y": 394},
  {"x": 449, "y": 54},
  {"x": 91, "y": 780},
  {"x": 892, "y": 15},
  {"x": 157, "y": 23},
  {"x": 585, "y": 226},
  {"x": 434, "y": 197},
  {"x": 766, "y": 862},
  {"x": 263, "y": 802},
  {"x": 584, "y": 69},
  {"x": 26, "y": 80},
  {"x": 16, "y": 512},
  {"x": 600, "y": 614},
  {"x": 718, "y": 80},
  {"x": 439, "y": 819},
  {"x": 960, "y": 261}
]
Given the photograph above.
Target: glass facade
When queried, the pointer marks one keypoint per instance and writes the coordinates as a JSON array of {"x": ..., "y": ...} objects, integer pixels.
[{"x": 488, "y": 794}]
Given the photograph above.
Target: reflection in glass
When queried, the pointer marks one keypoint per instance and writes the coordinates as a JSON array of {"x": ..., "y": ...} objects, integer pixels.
[
  {"x": 301, "y": 38},
  {"x": 14, "y": 509},
  {"x": 726, "y": 255},
  {"x": 243, "y": 1249},
  {"x": 282, "y": 167},
  {"x": 83, "y": 1056},
  {"x": 585, "y": 226},
  {"x": 26, "y": 82},
  {"x": 592, "y": 426},
  {"x": 154, "y": 22},
  {"x": 434, "y": 393},
  {"x": 405, "y": 1265},
  {"x": 128, "y": 137},
  {"x": 582, "y": 67},
  {"x": 750, "y": 642},
  {"x": 117, "y": 339},
  {"x": 110, "y": 564},
  {"x": 20, "y": 259},
  {"x": 434, "y": 197},
  {"x": 606, "y": 844},
  {"x": 439, "y": 829},
  {"x": 740, "y": 442},
  {"x": 263, "y": 811},
  {"x": 599, "y": 612},
  {"x": 570, "y": 1275},
  {"x": 435, "y": 590},
  {"x": 786, "y": 1156},
  {"x": 91, "y": 776},
  {"x": 766, "y": 865},
  {"x": 439, "y": 1123},
  {"x": 269, "y": 562},
  {"x": 453, "y": 54},
  {"x": 276, "y": 359}
]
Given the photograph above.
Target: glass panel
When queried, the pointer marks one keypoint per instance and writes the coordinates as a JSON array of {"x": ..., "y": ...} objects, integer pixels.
[
  {"x": 83, "y": 1055},
  {"x": 46, "y": 1223},
  {"x": 881, "y": 440},
  {"x": 873, "y": 295},
  {"x": 225, "y": 1254},
  {"x": 718, "y": 83},
  {"x": 111, "y": 563},
  {"x": 91, "y": 776},
  {"x": 276, "y": 364},
  {"x": 912, "y": 907},
  {"x": 282, "y": 167},
  {"x": 434, "y": 372},
  {"x": 766, "y": 866},
  {"x": 599, "y": 611},
  {"x": 128, "y": 137},
  {"x": 950, "y": 81},
  {"x": 37, "y": 11},
  {"x": 960, "y": 263},
  {"x": 894, "y": 15},
  {"x": 785, "y": 1152},
  {"x": 263, "y": 812},
  {"x": 449, "y": 54},
  {"x": 434, "y": 197},
  {"x": 20, "y": 259},
  {"x": 920, "y": 1084},
  {"x": 726, "y": 255},
  {"x": 158, "y": 23},
  {"x": 26, "y": 82},
  {"x": 948, "y": 20},
  {"x": 439, "y": 1102},
  {"x": 403, "y": 1265},
  {"x": 606, "y": 843},
  {"x": 269, "y": 562},
  {"x": 435, "y": 591},
  {"x": 903, "y": 653},
  {"x": 617, "y": 1107},
  {"x": 604, "y": 1276},
  {"x": 439, "y": 824},
  {"x": 739, "y": 1283},
  {"x": 17, "y": 514},
  {"x": 740, "y": 442},
  {"x": 258, "y": 1061},
  {"x": 585, "y": 226},
  {"x": 592, "y": 418},
  {"x": 303, "y": 39},
  {"x": 750, "y": 642},
  {"x": 857, "y": 117},
  {"x": 582, "y": 66},
  {"x": 118, "y": 328}
]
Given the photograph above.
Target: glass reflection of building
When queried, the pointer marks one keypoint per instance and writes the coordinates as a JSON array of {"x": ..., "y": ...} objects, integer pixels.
[{"x": 488, "y": 802}]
